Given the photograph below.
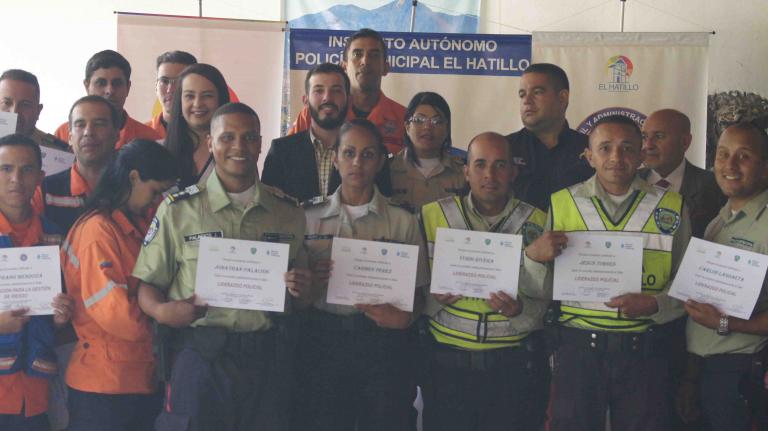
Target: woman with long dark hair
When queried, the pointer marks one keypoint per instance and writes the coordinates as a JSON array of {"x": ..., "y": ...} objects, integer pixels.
[
  {"x": 111, "y": 371},
  {"x": 424, "y": 171},
  {"x": 200, "y": 91}
]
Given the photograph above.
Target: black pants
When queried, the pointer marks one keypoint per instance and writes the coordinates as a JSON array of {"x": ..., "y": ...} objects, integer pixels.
[
  {"x": 722, "y": 383},
  {"x": 504, "y": 389},
  {"x": 633, "y": 384},
  {"x": 90, "y": 411},
  {"x": 353, "y": 375},
  {"x": 22, "y": 423},
  {"x": 227, "y": 382}
]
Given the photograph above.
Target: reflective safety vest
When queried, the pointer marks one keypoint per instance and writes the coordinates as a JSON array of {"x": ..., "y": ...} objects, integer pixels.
[
  {"x": 470, "y": 323},
  {"x": 655, "y": 217}
]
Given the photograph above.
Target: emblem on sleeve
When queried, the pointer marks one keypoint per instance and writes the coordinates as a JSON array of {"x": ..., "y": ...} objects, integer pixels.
[
  {"x": 152, "y": 231},
  {"x": 667, "y": 220}
]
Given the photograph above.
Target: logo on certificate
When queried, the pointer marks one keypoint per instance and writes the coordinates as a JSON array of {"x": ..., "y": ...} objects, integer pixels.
[
  {"x": 383, "y": 251},
  {"x": 487, "y": 241},
  {"x": 736, "y": 258},
  {"x": 23, "y": 257},
  {"x": 608, "y": 244},
  {"x": 254, "y": 250}
]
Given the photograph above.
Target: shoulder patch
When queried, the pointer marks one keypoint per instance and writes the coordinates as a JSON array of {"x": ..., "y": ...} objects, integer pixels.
[
  {"x": 276, "y": 192},
  {"x": 458, "y": 160},
  {"x": 152, "y": 231},
  {"x": 667, "y": 220},
  {"x": 317, "y": 200},
  {"x": 184, "y": 194},
  {"x": 530, "y": 232}
]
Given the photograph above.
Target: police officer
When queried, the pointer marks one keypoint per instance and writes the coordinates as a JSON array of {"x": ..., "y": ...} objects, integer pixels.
[
  {"x": 228, "y": 371},
  {"x": 357, "y": 362},
  {"x": 487, "y": 371},
  {"x": 425, "y": 171},
  {"x": 616, "y": 353},
  {"x": 732, "y": 351}
]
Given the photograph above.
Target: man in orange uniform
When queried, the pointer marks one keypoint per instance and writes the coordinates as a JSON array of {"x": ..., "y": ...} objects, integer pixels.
[
  {"x": 169, "y": 67},
  {"x": 365, "y": 61},
  {"x": 108, "y": 74},
  {"x": 27, "y": 359}
]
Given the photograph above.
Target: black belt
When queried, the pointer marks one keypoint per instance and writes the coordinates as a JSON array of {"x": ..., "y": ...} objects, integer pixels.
[
  {"x": 482, "y": 360},
  {"x": 324, "y": 320},
  {"x": 605, "y": 341}
]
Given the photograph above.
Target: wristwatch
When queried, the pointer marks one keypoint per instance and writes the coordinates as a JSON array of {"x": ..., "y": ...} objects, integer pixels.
[{"x": 723, "y": 328}]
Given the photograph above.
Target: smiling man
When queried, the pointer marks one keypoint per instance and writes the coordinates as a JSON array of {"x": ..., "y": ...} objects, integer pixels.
[
  {"x": 108, "y": 74},
  {"x": 169, "y": 67}
]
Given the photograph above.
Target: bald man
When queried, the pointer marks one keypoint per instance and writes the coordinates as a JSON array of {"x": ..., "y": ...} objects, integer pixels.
[{"x": 666, "y": 138}]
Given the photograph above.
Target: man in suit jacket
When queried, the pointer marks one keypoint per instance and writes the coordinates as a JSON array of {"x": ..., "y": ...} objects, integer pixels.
[
  {"x": 666, "y": 137},
  {"x": 301, "y": 165}
]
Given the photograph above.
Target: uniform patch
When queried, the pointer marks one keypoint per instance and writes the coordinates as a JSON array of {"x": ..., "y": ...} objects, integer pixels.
[
  {"x": 530, "y": 232},
  {"x": 317, "y": 200},
  {"x": 391, "y": 241},
  {"x": 317, "y": 236},
  {"x": 667, "y": 220},
  {"x": 196, "y": 236},
  {"x": 742, "y": 242},
  {"x": 152, "y": 231},
  {"x": 277, "y": 237}
]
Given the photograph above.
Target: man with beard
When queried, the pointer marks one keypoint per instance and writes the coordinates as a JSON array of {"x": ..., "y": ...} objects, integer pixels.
[{"x": 301, "y": 165}]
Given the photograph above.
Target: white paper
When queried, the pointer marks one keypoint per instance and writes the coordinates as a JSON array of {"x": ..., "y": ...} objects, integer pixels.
[
  {"x": 55, "y": 161},
  {"x": 475, "y": 264},
  {"x": 727, "y": 277},
  {"x": 595, "y": 267},
  {"x": 7, "y": 123},
  {"x": 247, "y": 275},
  {"x": 372, "y": 272},
  {"x": 29, "y": 277}
]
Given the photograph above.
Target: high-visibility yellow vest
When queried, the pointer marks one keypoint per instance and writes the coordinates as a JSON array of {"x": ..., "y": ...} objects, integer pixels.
[
  {"x": 655, "y": 217},
  {"x": 470, "y": 323}
]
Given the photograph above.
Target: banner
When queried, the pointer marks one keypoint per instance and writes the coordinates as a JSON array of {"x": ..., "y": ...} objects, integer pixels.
[
  {"x": 248, "y": 53},
  {"x": 632, "y": 74},
  {"x": 478, "y": 74}
]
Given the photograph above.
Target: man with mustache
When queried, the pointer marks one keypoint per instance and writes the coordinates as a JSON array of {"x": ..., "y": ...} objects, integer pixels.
[
  {"x": 169, "y": 67},
  {"x": 365, "y": 62},
  {"x": 108, "y": 74},
  {"x": 301, "y": 165}
]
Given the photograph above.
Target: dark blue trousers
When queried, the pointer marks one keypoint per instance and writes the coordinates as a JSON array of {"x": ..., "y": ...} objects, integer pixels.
[{"x": 90, "y": 411}]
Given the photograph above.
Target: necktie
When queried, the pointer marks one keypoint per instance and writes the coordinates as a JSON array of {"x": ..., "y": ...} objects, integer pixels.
[{"x": 663, "y": 184}]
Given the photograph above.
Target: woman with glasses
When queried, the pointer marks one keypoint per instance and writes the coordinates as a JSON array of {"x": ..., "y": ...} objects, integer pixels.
[{"x": 425, "y": 171}]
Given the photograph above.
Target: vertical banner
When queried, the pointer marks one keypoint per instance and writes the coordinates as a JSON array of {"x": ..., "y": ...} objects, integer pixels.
[
  {"x": 632, "y": 74},
  {"x": 477, "y": 74},
  {"x": 248, "y": 53}
]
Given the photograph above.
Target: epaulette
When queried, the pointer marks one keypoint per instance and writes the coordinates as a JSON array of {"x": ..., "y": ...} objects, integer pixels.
[
  {"x": 458, "y": 160},
  {"x": 317, "y": 200},
  {"x": 184, "y": 194},
  {"x": 403, "y": 205},
  {"x": 281, "y": 195}
]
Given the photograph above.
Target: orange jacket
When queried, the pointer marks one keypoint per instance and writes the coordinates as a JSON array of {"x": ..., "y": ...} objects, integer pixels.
[
  {"x": 19, "y": 390},
  {"x": 131, "y": 130},
  {"x": 387, "y": 115},
  {"x": 114, "y": 349},
  {"x": 157, "y": 125}
]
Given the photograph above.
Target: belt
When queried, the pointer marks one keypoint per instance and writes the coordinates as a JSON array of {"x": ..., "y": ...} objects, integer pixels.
[
  {"x": 336, "y": 322},
  {"x": 605, "y": 341},
  {"x": 483, "y": 360}
]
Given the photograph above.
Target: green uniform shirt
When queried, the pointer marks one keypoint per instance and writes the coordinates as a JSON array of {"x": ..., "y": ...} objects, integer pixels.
[
  {"x": 383, "y": 221},
  {"x": 411, "y": 189},
  {"x": 747, "y": 230},
  {"x": 168, "y": 259},
  {"x": 530, "y": 283},
  {"x": 669, "y": 308}
]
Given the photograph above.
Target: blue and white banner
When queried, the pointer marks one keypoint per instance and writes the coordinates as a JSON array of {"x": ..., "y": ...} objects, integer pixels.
[{"x": 477, "y": 74}]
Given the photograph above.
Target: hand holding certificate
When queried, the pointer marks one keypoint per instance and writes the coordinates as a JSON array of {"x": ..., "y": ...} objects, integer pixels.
[
  {"x": 30, "y": 277},
  {"x": 596, "y": 267},
  {"x": 371, "y": 272},
  {"x": 248, "y": 275},
  {"x": 475, "y": 264},
  {"x": 728, "y": 278}
]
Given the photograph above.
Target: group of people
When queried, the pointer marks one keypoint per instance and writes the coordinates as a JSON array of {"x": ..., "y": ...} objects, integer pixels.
[{"x": 136, "y": 350}]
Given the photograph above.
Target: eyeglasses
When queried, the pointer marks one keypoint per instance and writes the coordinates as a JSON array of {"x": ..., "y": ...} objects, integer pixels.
[
  {"x": 164, "y": 81},
  {"x": 421, "y": 120}
]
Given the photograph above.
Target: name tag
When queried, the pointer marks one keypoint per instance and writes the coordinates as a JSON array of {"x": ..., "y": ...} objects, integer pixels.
[
  {"x": 317, "y": 236},
  {"x": 277, "y": 237},
  {"x": 196, "y": 236}
]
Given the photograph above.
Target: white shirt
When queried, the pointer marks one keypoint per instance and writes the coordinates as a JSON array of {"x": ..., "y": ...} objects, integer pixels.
[{"x": 675, "y": 177}]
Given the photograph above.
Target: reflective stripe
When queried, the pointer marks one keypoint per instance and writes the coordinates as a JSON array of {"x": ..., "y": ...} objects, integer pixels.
[
  {"x": 47, "y": 367},
  {"x": 453, "y": 214},
  {"x": 64, "y": 201},
  {"x": 475, "y": 328},
  {"x": 643, "y": 212},
  {"x": 7, "y": 363},
  {"x": 431, "y": 249},
  {"x": 98, "y": 296},
  {"x": 588, "y": 212},
  {"x": 517, "y": 218},
  {"x": 67, "y": 247}
]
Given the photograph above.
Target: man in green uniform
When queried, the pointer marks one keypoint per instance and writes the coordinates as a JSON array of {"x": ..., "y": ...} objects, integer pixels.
[
  {"x": 731, "y": 351},
  {"x": 227, "y": 374},
  {"x": 487, "y": 367},
  {"x": 617, "y": 353}
]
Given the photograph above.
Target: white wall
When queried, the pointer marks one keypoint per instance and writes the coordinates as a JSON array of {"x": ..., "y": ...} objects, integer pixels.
[{"x": 54, "y": 38}]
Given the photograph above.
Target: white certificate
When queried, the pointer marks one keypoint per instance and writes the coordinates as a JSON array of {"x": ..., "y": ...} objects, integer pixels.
[
  {"x": 727, "y": 277},
  {"x": 372, "y": 272},
  {"x": 247, "y": 275},
  {"x": 595, "y": 267},
  {"x": 55, "y": 161},
  {"x": 29, "y": 277},
  {"x": 7, "y": 123},
  {"x": 475, "y": 264}
]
